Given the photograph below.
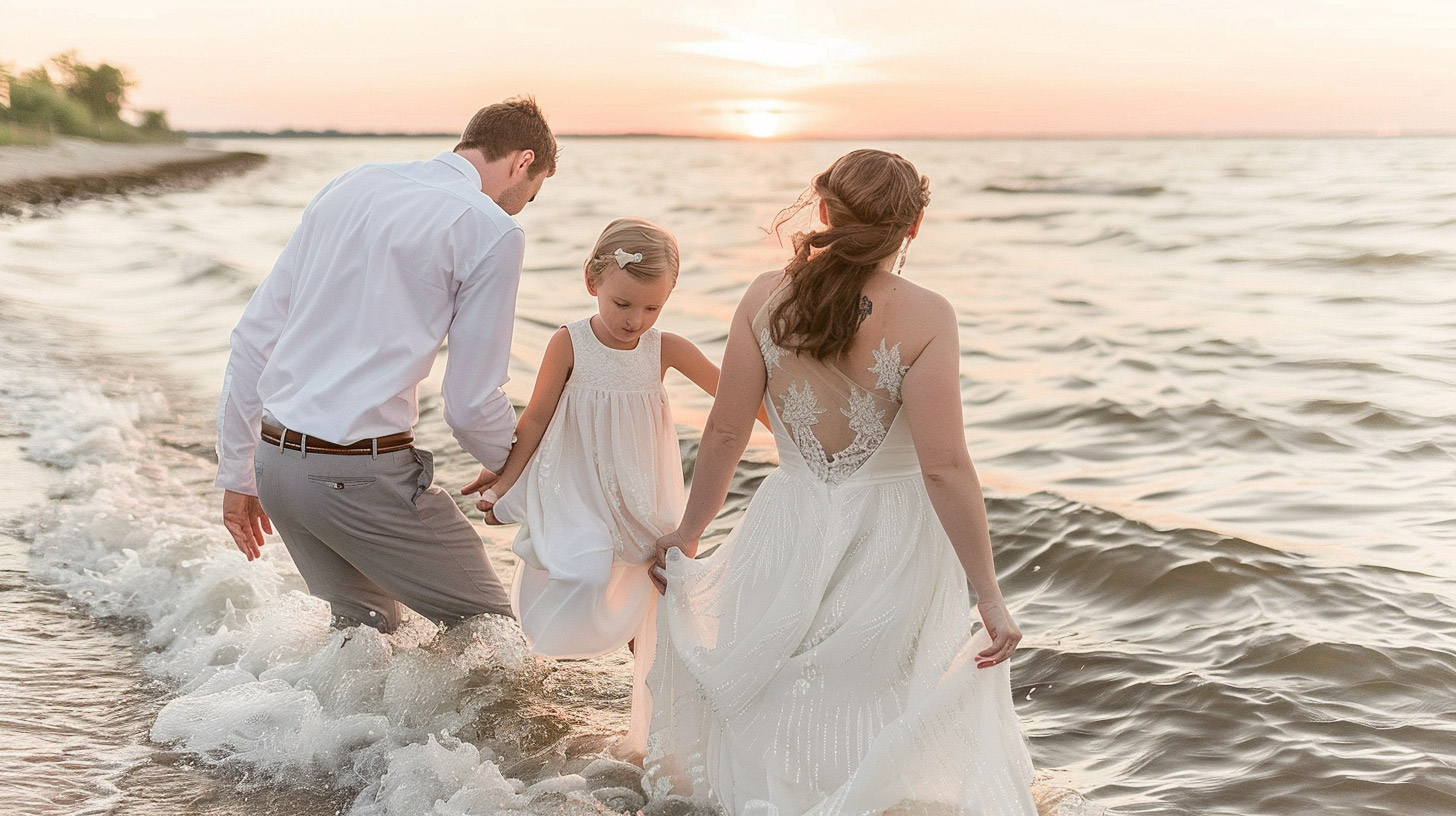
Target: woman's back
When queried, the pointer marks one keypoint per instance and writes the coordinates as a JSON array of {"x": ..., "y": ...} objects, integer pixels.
[{"x": 836, "y": 414}]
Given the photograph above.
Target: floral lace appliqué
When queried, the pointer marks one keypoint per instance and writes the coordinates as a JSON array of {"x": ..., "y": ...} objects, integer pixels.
[
  {"x": 889, "y": 374},
  {"x": 801, "y": 413},
  {"x": 771, "y": 351},
  {"x": 800, "y": 410}
]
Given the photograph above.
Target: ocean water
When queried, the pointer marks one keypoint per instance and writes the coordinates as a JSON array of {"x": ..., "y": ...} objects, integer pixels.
[{"x": 1210, "y": 384}]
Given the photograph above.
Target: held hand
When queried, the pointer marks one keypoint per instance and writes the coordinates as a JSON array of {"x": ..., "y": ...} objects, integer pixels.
[
  {"x": 486, "y": 478},
  {"x": 658, "y": 570},
  {"x": 244, "y": 518},
  {"x": 487, "y": 503},
  {"x": 1003, "y": 632}
]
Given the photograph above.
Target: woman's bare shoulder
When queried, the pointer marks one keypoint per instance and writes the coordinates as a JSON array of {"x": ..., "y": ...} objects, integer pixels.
[
  {"x": 759, "y": 290},
  {"x": 917, "y": 313}
]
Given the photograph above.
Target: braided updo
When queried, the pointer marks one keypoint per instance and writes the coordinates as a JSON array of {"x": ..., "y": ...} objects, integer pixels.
[{"x": 872, "y": 198}]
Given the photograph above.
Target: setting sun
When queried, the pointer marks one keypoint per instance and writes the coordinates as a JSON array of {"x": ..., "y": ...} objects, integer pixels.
[
  {"x": 760, "y": 118},
  {"x": 761, "y": 124}
]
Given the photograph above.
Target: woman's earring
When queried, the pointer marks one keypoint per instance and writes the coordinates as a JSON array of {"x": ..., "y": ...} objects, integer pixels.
[{"x": 904, "y": 250}]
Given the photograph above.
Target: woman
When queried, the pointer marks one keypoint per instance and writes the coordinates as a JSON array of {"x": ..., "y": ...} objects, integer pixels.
[{"x": 822, "y": 659}]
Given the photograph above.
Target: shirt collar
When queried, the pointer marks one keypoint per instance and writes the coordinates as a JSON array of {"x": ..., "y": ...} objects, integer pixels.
[{"x": 462, "y": 166}]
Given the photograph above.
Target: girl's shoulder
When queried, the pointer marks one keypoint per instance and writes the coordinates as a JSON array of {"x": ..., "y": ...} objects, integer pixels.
[
  {"x": 560, "y": 354},
  {"x": 676, "y": 348}
]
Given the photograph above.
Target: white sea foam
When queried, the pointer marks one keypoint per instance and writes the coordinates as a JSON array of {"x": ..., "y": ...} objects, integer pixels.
[{"x": 265, "y": 687}]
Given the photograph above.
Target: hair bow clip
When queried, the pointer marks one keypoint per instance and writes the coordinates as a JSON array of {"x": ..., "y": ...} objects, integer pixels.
[{"x": 624, "y": 257}]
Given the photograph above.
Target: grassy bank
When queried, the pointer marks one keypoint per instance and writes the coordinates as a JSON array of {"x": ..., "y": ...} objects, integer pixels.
[{"x": 67, "y": 97}]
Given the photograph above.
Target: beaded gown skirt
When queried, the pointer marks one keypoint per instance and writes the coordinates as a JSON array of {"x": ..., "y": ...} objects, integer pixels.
[{"x": 822, "y": 659}]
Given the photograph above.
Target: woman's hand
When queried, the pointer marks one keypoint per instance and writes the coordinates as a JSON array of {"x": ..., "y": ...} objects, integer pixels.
[
  {"x": 1003, "y": 632},
  {"x": 658, "y": 570}
]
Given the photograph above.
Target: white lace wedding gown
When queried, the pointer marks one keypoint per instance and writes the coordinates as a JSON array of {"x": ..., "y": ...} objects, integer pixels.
[
  {"x": 822, "y": 659},
  {"x": 605, "y": 483}
]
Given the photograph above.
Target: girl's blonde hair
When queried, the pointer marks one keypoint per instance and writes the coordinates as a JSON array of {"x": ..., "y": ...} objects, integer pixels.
[{"x": 631, "y": 236}]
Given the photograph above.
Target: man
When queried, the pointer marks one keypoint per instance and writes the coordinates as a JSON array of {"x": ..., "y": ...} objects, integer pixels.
[{"x": 314, "y": 427}]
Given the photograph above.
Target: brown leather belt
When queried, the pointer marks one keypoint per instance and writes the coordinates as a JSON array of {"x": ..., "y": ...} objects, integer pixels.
[{"x": 293, "y": 440}]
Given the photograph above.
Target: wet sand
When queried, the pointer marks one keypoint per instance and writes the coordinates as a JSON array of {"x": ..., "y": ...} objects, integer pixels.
[{"x": 38, "y": 178}]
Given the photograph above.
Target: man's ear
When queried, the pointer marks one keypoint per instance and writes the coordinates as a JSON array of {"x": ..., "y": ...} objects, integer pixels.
[{"x": 524, "y": 159}]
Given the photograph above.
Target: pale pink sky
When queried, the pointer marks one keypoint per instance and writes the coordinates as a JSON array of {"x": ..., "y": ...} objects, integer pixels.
[{"x": 845, "y": 68}]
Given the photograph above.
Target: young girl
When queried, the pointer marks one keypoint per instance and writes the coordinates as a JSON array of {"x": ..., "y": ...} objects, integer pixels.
[{"x": 595, "y": 476}]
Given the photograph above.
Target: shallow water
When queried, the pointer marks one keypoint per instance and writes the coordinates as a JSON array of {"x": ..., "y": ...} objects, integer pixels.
[{"x": 1209, "y": 383}]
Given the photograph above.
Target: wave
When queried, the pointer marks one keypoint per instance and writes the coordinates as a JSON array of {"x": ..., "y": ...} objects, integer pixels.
[
  {"x": 1359, "y": 260},
  {"x": 1073, "y": 188},
  {"x": 1176, "y": 634},
  {"x": 1015, "y": 217},
  {"x": 213, "y": 271}
]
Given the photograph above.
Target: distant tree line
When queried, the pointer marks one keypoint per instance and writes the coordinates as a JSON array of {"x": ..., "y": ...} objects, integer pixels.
[{"x": 65, "y": 96}]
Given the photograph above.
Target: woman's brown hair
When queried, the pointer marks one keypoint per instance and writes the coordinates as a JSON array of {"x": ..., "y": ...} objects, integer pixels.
[{"x": 872, "y": 198}]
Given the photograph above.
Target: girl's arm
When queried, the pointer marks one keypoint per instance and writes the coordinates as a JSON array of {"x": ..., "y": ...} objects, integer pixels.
[
  {"x": 550, "y": 381},
  {"x": 730, "y": 424},
  {"x": 680, "y": 353}
]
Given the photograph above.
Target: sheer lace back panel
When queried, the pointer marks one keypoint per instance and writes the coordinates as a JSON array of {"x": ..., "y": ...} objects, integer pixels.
[{"x": 837, "y": 413}]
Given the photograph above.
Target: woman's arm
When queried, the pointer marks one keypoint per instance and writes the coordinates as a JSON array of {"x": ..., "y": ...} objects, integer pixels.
[
  {"x": 550, "y": 381},
  {"x": 680, "y": 353},
  {"x": 932, "y": 405},
  {"x": 730, "y": 423}
]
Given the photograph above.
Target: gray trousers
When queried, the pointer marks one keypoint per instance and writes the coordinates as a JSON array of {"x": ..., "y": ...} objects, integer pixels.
[{"x": 369, "y": 534}]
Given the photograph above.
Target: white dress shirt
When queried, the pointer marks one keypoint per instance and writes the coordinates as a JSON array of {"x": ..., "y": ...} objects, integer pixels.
[{"x": 388, "y": 261}]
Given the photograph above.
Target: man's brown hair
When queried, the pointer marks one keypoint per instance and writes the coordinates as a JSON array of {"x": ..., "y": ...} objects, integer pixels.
[{"x": 505, "y": 127}]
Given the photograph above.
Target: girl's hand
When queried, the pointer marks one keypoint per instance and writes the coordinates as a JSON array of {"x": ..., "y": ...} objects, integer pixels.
[
  {"x": 486, "y": 478},
  {"x": 1002, "y": 629},
  {"x": 658, "y": 570}
]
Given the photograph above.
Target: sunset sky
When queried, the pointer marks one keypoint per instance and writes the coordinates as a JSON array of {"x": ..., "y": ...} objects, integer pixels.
[{"x": 785, "y": 68}]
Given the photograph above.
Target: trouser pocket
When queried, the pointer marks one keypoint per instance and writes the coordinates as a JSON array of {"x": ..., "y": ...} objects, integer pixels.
[
  {"x": 342, "y": 482},
  {"x": 426, "y": 461}
]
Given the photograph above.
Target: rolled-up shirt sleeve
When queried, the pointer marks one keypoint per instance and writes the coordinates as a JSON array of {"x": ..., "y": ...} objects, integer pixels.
[
  {"x": 240, "y": 408},
  {"x": 476, "y": 409}
]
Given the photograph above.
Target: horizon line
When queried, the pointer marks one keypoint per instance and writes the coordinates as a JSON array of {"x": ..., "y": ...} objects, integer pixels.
[{"x": 326, "y": 133}]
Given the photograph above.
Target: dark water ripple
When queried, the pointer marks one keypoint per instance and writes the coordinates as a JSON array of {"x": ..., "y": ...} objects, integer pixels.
[{"x": 1199, "y": 642}]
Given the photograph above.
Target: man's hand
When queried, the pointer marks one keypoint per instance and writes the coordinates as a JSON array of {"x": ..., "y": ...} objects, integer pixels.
[
  {"x": 486, "y": 478},
  {"x": 244, "y": 517},
  {"x": 658, "y": 570}
]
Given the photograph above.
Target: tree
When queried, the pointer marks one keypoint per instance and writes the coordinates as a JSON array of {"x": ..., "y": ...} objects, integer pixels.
[
  {"x": 155, "y": 121},
  {"x": 101, "y": 88}
]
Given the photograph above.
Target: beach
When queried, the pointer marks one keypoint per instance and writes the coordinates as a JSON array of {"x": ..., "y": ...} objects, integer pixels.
[
  {"x": 1207, "y": 384},
  {"x": 68, "y": 169}
]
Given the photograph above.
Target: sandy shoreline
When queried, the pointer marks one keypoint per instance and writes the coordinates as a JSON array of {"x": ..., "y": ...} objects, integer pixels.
[{"x": 38, "y": 178}]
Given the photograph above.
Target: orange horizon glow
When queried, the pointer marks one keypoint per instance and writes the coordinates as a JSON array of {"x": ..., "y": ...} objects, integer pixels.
[{"x": 775, "y": 70}]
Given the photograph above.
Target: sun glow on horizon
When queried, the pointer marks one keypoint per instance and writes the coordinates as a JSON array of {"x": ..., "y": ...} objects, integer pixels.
[
  {"x": 758, "y": 118},
  {"x": 761, "y": 124}
]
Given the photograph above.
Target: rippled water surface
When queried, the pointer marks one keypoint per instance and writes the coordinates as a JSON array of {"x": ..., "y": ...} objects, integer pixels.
[{"x": 1210, "y": 384}]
